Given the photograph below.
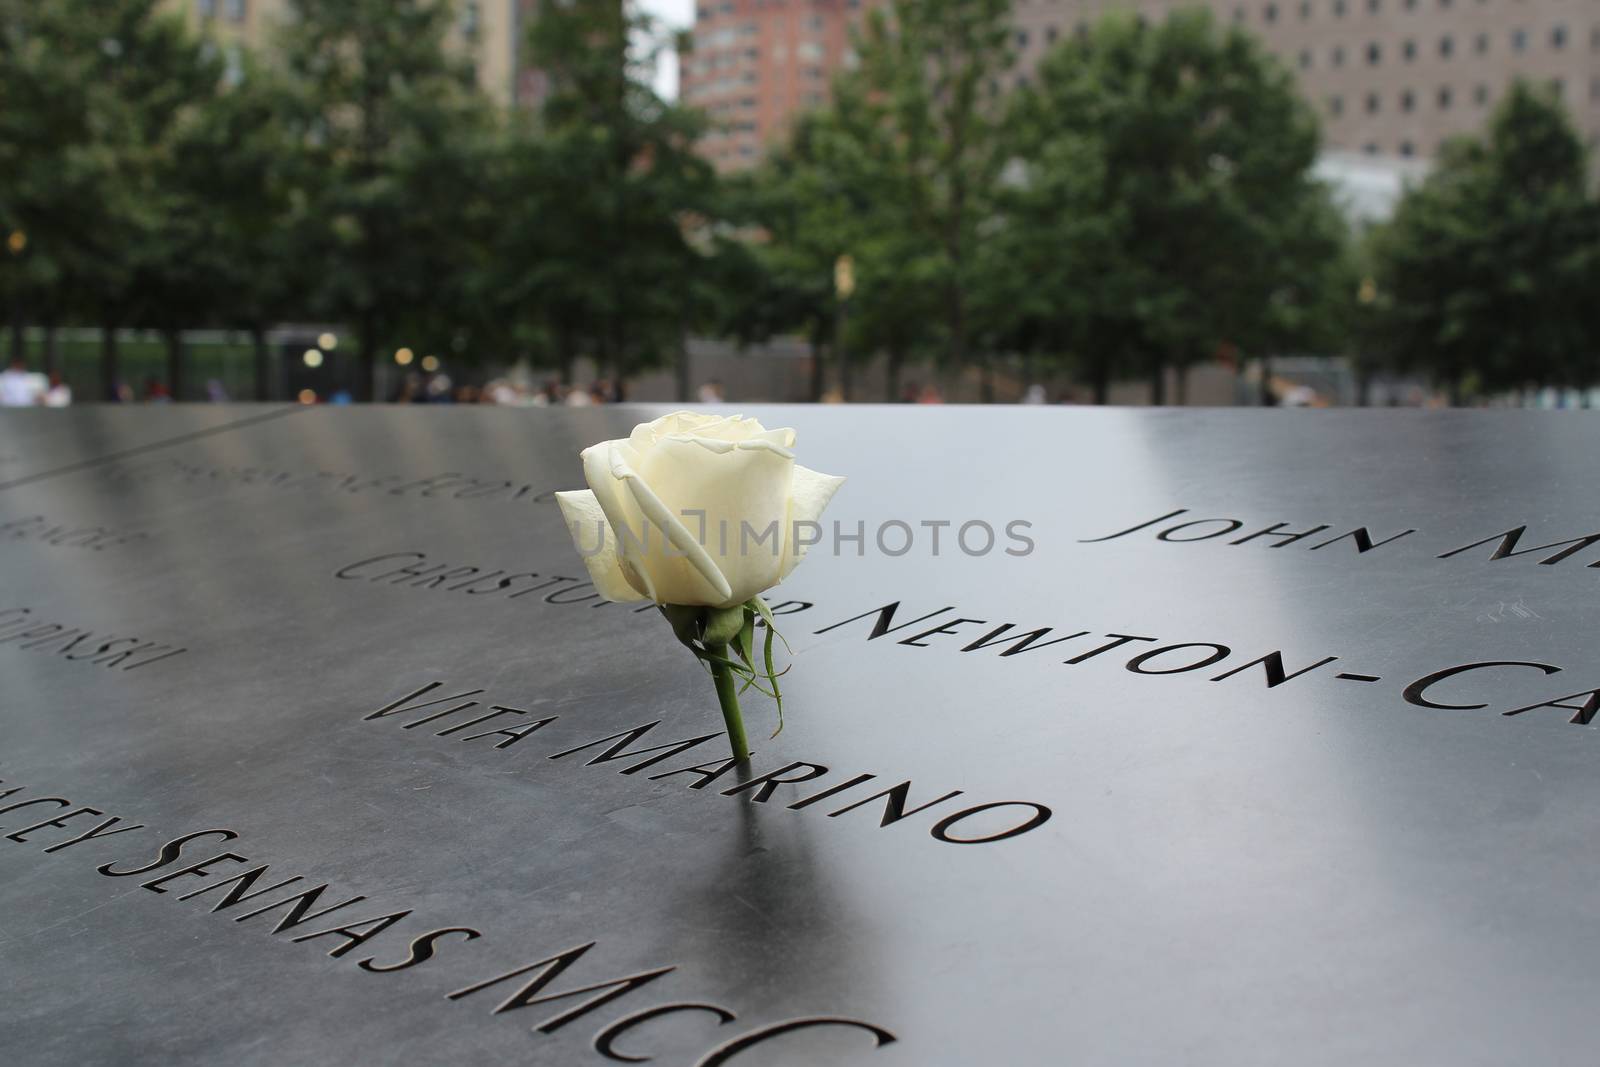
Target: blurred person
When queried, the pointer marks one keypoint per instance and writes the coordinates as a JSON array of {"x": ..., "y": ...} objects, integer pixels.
[
  {"x": 440, "y": 389},
  {"x": 500, "y": 392},
  {"x": 215, "y": 392},
  {"x": 578, "y": 398},
  {"x": 156, "y": 392},
  {"x": 1035, "y": 394},
  {"x": 59, "y": 394},
  {"x": 18, "y": 388},
  {"x": 548, "y": 395},
  {"x": 930, "y": 395},
  {"x": 600, "y": 392},
  {"x": 469, "y": 394},
  {"x": 909, "y": 393},
  {"x": 711, "y": 392}
]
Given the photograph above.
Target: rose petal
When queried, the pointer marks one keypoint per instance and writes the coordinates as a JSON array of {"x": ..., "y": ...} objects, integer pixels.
[
  {"x": 808, "y": 495},
  {"x": 586, "y": 521},
  {"x": 628, "y": 527},
  {"x": 738, "y": 492}
]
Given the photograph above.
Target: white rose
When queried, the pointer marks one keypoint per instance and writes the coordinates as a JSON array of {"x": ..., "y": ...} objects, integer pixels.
[{"x": 694, "y": 509}]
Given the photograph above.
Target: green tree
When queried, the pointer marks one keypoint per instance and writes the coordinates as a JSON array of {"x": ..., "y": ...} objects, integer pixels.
[
  {"x": 593, "y": 252},
  {"x": 1166, "y": 170},
  {"x": 1485, "y": 274},
  {"x": 392, "y": 133},
  {"x": 94, "y": 97},
  {"x": 923, "y": 110},
  {"x": 797, "y": 209},
  {"x": 241, "y": 172}
]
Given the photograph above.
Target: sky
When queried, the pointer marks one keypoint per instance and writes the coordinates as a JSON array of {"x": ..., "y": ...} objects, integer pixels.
[{"x": 678, "y": 15}]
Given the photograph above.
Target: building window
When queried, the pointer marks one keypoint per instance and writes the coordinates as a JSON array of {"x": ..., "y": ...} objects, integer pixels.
[
  {"x": 1370, "y": 148},
  {"x": 1051, "y": 33},
  {"x": 1374, "y": 6},
  {"x": 1337, "y": 55},
  {"x": 1408, "y": 100},
  {"x": 1444, "y": 5},
  {"x": 1372, "y": 103},
  {"x": 1238, "y": 13},
  {"x": 1594, "y": 39},
  {"x": 1338, "y": 8},
  {"x": 1519, "y": 40},
  {"x": 207, "y": 8},
  {"x": 1409, "y": 51},
  {"x": 1269, "y": 13},
  {"x": 1305, "y": 9},
  {"x": 1022, "y": 38},
  {"x": 1447, "y": 47},
  {"x": 1305, "y": 59},
  {"x": 1480, "y": 96},
  {"x": 1411, "y": 5},
  {"x": 236, "y": 10},
  {"x": 1481, "y": 45},
  {"x": 1374, "y": 54},
  {"x": 1558, "y": 86},
  {"x": 1406, "y": 149},
  {"x": 1336, "y": 106},
  {"x": 1444, "y": 98},
  {"x": 1558, "y": 37}
]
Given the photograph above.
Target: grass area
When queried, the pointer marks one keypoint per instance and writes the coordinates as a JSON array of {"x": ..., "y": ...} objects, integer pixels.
[{"x": 145, "y": 357}]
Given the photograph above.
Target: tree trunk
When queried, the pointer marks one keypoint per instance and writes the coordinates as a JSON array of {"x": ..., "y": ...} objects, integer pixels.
[
  {"x": 1100, "y": 375},
  {"x": 1267, "y": 399},
  {"x": 263, "y": 369},
  {"x": 1183, "y": 385},
  {"x": 1158, "y": 382},
  {"x": 52, "y": 357},
  {"x": 366, "y": 383},
  {"x": 958, "y": 329},
  {"x": 175, "y": 382},
  {"x": 896, "y": 359},
  {"x": 986, "y": 378},
  {"x": 1453, "y": 392},
  {"x": 685, "y": 372},
  {"x": 565, "y": 356},
  {"x": 18, "y": 341},
  {"x": 817, "y": 371},
  {"x": 1363, "y": 389},
  {"x": 110, "y": 369}
]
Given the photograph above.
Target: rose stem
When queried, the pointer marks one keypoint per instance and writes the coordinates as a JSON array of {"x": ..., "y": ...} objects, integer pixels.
[{"x": 728, "y": 696}]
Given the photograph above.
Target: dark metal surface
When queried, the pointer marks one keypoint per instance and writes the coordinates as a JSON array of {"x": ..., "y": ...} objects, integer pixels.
[{"x": 1320, "y": 871}]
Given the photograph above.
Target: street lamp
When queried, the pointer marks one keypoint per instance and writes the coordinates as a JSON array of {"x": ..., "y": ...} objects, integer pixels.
[{"x": 844, "y": 283}]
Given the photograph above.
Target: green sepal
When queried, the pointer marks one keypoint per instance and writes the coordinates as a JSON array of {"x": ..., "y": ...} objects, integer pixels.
[
  {"x": 722, "y": 626},
  {"x": 766, "y": 655},
  {"x": 766, "y": 617},
  {"x": 685, "y": 621}
]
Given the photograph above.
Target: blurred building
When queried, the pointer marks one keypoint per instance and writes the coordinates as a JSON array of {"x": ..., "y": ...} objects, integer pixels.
[
  {"x": 1389, "y": 77},
  {"x": 755, "y": 64},
  {"x": 490, "y": 31}
]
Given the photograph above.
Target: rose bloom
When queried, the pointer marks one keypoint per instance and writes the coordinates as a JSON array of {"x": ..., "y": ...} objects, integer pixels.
[{"x": 640, "y": 527}]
